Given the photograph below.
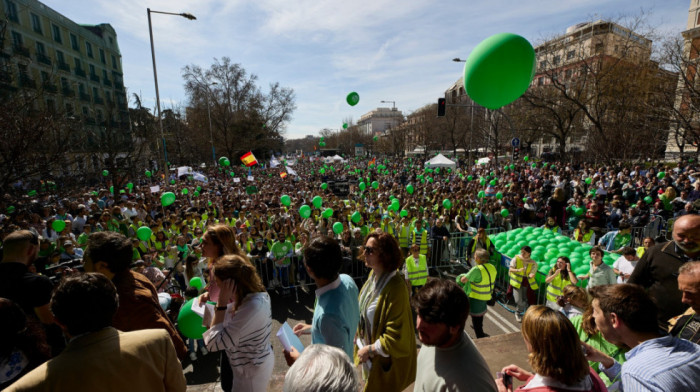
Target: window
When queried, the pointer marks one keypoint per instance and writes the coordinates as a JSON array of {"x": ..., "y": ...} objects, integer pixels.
[
  {"x": 95, "y": 93},
  {"x": 556, "y": 60},
  {"x": 92, "y": 69},
  {"x": 85, "y": 111},
  {"x": 599, "y": 47},
  {"x": 110, "y": 40},
  {"x": 45, "y": 77},
  {"x": 36, "y": 23},
  {"x": 102, "y": 56},
  {"x": 568, "y": 73},
  {"x": 74, "y": 42},
  {"x": 570, "y": 54},
  {"x": 40, "y": 49},
  {"x": 69, "y": 110},
  {"x": 17, "y": 41},
  {"x": 78, "y": 64},
  {"x": 64, "y": 84},
  {"x": 114, "y": 62},
  {"x": 88, "y": 49},
  {"x": 59, "y": 57},
  {"x": 56, "y": 33},
  {"x": 11, "y": 8}
]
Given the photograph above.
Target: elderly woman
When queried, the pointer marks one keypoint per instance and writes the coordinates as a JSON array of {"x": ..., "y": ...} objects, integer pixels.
[
  {"x": 388, "y": 345},
  {"x": 558, "y": 367},
  {"x": 242, "y": 328}
]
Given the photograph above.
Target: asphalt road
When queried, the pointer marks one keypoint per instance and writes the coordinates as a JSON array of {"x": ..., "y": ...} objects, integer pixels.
[{"x": 203, "y": 374}]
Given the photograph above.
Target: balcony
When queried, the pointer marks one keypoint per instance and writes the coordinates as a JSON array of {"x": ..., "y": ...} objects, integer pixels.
[
  {"x": 107, "y": 82},
  {"x": 44, "y": 59},
  {"x": 50, "y": 87},
  {"x": 99, "y": 100},
  {"x": 80, "y": 72},
  {"x": 67, "y": 92},
  {"x": 94, "y": 78},
  {"x": 20, "y": 50},
  {"x": 26, "y": 81},
  {"x": 63, "y": 66},
  {"x": 85, "y": 97}
]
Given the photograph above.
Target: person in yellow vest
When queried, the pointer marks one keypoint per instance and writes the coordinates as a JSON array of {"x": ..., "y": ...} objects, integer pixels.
[
  {"x": 419, "y": 236},
  {"x": 522, "y": 274},
  {"x": 647, "y": 243},
  {"x": 480, "y": 241},
  {"x": 559, "y": 277},
  {"x": 479, "y": 283},
  {"x": 404, "y": 233},
  {"x": 552, "y": 225},
  {"x": 584, "y": 234},
  {"x": 416, "y": 269}
]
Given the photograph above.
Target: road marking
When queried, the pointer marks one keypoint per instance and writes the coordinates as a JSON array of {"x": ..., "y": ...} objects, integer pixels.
[{"x": 512, "y": 327}]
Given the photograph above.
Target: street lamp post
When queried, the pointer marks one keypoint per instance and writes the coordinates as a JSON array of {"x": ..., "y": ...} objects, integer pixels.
[
  {"x": 211, "y": 133},
  {"x": 155, "y": 78},
  {"x": 393, "y": 103}
]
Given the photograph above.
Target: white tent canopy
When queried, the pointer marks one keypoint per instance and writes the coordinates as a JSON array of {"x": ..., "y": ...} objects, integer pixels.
[
  {"x": 440, "y": 161},
  {"x": 337, "y": 157}
]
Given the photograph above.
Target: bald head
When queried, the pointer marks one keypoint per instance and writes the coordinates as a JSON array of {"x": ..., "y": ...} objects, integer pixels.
[
  {"x": 686, "y": 233},
  {"x": 689, "y": 284},
  {"x": 20, "y": 246}
]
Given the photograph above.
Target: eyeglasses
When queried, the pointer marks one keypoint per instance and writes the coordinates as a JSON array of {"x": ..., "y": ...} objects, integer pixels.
[{"x": 369, "y": 250}]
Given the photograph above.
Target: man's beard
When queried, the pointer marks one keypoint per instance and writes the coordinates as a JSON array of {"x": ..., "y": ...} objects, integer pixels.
[{"x": 688, "y": 249}]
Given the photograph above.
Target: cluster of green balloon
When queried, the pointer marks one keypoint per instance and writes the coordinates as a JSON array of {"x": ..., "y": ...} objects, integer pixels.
[
  {"x": 58, "y": 225},
  {"x": 223, "y": 161},
  {"x": 305, "y": 211},
  {"x": 322, "y": 144},
  {"x": 148, "y": 173},
  {"x": 575, "y": 210},
  {"x": 317, "y": 201},
  {"x": 403, "y": 213},
  {"x": 355, "y": 217},
  {"x": 395, "y": 205},
  {"x": 144, "y": 233},
  {"x": 353, "y": 98},
  {"x": 499, "y": 70},
  {"x": 337, "y": 227},
  {"x": 410, "y": 189},
  {"x": 189, "y": 322},
  {"x": 547, "y": 246},
  {"x": 167, "y": 199}
]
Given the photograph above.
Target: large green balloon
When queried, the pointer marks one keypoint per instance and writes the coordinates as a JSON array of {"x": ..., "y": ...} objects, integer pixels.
[
  {"x": 286, "y": 200},
  {"x": 167, "y": 199},
  {"x": 144, "y": 233},
  {"x": 337, "y": 227},
  {"x": 355, "y": 217},
  {"x": 353, "y": 98},
  {"x": 305, "y": 211},
  {"x": 499, "y": 70},
  {"x": 317, "y": 201},
  {"x": 447, "y": 203},
  {"x": 58, "y": 225},
  {"x": 188, "y": 322},
  {"x": 327, "y": 213}
]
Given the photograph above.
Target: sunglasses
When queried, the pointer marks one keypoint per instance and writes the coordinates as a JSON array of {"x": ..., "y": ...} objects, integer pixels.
[{"x": 369, "y": 250}]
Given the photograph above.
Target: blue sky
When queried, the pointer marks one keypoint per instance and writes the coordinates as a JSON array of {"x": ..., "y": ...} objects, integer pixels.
[{"x": 383, "y": 49}]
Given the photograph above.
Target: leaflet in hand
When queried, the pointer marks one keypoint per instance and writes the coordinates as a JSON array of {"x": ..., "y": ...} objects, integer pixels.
[{"x": 289, "y": 339}]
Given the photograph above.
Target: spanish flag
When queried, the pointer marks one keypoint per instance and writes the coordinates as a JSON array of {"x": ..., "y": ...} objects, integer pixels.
[
  {"x": 249, "y": 159},
  {"x": 283, "y": 174}
]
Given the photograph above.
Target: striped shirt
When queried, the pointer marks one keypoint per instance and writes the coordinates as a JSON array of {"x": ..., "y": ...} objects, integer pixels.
[
  {"x": 245, "y": 335},
  {"x": 663, "y": 364}
]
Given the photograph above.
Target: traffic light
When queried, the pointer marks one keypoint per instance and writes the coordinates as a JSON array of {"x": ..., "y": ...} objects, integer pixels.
[
  {"x": 441, "y": 107},
  {"x": 516, "y": 153}
]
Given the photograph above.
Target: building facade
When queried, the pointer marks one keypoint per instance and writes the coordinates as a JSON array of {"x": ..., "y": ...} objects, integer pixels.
[
  {"x": 380, "y": 120},
  {"x": 72, "y": 69}
]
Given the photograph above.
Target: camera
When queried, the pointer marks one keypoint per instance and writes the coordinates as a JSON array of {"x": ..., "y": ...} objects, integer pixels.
[{"x": 507, "y": 379}]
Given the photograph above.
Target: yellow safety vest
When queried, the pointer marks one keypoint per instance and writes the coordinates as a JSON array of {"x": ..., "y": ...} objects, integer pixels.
[
  {"x": 555, "y": 287},
  {"x": 640, "y": 251},
  {"x": 162, "y": 245},
  {"x": 422, "y": 241},
  {"x": 516, "y": 278},
  {"x": 403, "y": 236},
  {"x": 482, "y": 290},
  {"x": 417, "y": 274},
  {"x": 476, "y": 240},
  {"x": 586, "y": 236},
  {"x": 388, "y": 228}
]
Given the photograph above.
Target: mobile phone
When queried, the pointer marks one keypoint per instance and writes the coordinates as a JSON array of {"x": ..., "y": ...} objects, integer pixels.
[{"x": 507, "y": 379}]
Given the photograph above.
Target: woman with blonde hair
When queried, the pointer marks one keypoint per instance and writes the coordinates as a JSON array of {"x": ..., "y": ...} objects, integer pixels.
[
  {"x": 242, "y": 323},
  {"x": 558, "y": 367}
]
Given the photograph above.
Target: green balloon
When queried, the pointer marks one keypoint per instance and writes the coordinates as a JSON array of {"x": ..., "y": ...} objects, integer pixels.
[
  {"x": 410, "y": 189},
  {"x": 345, "y": 126},
  {"x": 447, "y": 203},
  {"x": 375, "y": 138},
  {"x": 403, "y": 213},
  {"x": 499, "y": 70},
  {"x": 58, "y": 225},
  {"x": 493, "y": 182},
  {"x": 317, "y": 201},
  {"x": 337, "y": 227},
  {"x": 188, "y": 322},
  {"x": 526, "y": 158},
  {"x": 327, "y": 213},
  {"x": 185, "y": 191},
  {"x": 589, "y": 180},
  {"x": 395, "y": 205},
  {"x": 322, "y": 171},
  {"x": 661, "y": 175},
  {"x": 482, "y": 181},
  {"x": 355, "y": 217},
  {"x": 148, "y": 173},
  {"x": 648, "y": 199},
  {"x": 469, "y": 177},
  {"x": 130, "y": 186},
  {"x": 172, "y": 182},
  {"x": 499, "y": 195},
  {"x": 305, "y": 211},
  {"x": 375, "y": 184},
  {"x": 353, "y": 98},
  {"x": 324, "y": 186},
  {"x": 481, "y": 194},
  {"x": 196, "y": 282},
  {"x": 105, "y": 173},
  {"x": 167, "y": 199},
  {"x": 144, "y": 233},
  {"x": 504, "y": 212},
  {"x": 362, "y": 186}
]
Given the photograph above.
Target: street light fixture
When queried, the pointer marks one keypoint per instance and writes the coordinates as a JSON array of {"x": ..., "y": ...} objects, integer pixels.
[
  {"x": 458, "y": 60},
  {"x": 391, "y": 102},
  {"x": 155, "y": 77}
]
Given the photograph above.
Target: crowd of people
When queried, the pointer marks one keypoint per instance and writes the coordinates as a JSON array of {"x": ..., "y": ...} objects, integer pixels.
[{"x": 368, "y": 239}]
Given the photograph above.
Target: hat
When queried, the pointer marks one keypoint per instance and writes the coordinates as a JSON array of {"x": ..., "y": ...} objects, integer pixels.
[
  {"x": 258, "y": 240},
  {"x": 67, "y": 243}
]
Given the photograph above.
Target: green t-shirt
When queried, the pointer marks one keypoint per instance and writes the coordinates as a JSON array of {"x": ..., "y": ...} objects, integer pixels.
[
  {"x": 83, "y": 239},
  {"x": 622, "y": 240},
  {"x": 598, "y": 342},
  {"x": 282, "y": 249}
]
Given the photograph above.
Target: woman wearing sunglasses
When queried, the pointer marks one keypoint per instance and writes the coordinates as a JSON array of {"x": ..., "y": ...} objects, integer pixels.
[{"x": 387, "y": 344}]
